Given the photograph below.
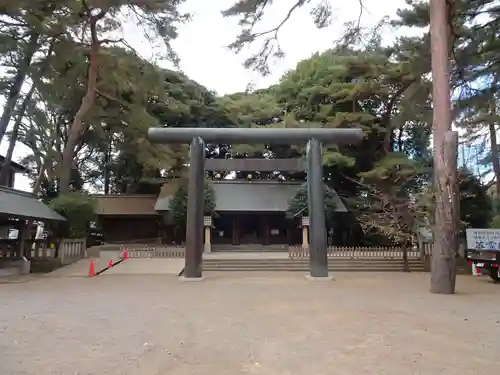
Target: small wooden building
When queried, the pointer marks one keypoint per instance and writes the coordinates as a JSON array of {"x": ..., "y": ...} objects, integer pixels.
[
  {"x": 124, "y": 218},
  {"x": 16, "y": 208}
]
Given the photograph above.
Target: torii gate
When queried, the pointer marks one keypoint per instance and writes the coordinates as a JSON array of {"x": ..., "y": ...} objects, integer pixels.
[{"x": 196, "y": 137}]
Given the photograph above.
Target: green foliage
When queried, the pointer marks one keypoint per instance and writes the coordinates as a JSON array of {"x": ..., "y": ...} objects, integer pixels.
[
  {"x": 475, "y": 204},
  {"x": 133, "y": 95},
  {"x": 78, "y": 209},
  {"x": 299, "y": 206},
  {"x": 394, "y": 198},
  {"x": 358, "y": 83},
  {"x": 178, "y": 204},
  {"x": 126, "y": 85},
  {"x": 495, "y": 222},
  {"x": 374, "y": 88}
]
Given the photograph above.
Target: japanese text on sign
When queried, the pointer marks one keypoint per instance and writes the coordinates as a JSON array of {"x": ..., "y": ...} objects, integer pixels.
[{"x": 483, "y": 239}]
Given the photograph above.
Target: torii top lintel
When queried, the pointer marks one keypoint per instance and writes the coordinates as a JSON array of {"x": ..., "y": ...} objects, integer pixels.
[{"x": 256, "y": 135}]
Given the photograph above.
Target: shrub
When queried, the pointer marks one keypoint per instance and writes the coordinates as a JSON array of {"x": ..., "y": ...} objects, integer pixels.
[{"x": 78, "y": 209}]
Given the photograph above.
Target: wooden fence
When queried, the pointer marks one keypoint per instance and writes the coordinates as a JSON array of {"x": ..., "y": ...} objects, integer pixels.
[{"x": 368, "y": 252}]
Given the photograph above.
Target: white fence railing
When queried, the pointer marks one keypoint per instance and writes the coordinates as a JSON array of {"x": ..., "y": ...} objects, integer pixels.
[
  {"x": 157, "y": 252},
  {"x": 298, "y": 252},
  {"x": 368, "y": 252}
]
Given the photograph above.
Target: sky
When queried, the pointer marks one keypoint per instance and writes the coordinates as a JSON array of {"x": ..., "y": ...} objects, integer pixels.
[{"x": 205, "y": 58}]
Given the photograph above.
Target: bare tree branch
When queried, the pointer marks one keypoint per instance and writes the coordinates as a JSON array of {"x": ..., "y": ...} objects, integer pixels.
[{"x": 251, "y": 13}]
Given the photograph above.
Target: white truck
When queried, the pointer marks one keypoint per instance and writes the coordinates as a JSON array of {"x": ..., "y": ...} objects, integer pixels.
[{"x": 483, "y": 251}]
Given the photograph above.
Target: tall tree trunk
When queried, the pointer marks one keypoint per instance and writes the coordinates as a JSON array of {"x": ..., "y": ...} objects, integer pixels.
[
  {"x": 493, "y": 140},
  {"x": 109, "y": 145},
  {"x": 77, "y": 128},
  {"x": 4, "y": 172},
  {"x": 494, "y": 156},
  {"x": 17, "y": 83},
  {"x": 39, "y": 178},
  {"x": 443, "y": 273}
]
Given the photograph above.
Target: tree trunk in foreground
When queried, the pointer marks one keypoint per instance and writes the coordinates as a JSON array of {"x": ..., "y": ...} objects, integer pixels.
[
  {"x": 443, "y": 273},
  {"x": 443, "y": 262}
]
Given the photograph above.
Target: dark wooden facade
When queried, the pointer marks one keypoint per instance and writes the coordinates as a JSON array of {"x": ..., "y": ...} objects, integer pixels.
[
  {"x": 144, "y": 229},
  {"x": 263, "y": 228},
  {"x": 128, "y": 218}
]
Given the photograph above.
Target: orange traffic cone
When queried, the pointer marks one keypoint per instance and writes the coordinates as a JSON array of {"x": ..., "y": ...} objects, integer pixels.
[
  {"x": 110, "y": 263},
  {"x": 125, "y": 254},
  {"x": 92, "y": 269}
]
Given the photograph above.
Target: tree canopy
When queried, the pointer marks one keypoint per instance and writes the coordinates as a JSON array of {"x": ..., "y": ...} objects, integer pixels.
[
  {"x": 90, "y": 100},
  {"x": 178, "y": 204}
]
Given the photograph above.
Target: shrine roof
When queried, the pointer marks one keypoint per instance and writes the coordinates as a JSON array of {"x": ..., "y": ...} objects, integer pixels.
[
  {"x": 20, "y": 204},
  {"x": 250, "y": 196}
]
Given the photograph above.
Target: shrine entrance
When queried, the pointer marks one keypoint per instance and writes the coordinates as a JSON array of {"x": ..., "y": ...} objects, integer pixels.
[{"x": 314, "y": 137}]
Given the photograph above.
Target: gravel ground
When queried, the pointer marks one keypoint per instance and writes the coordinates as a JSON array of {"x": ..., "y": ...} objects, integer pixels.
[{"x": 381, "y": 324}]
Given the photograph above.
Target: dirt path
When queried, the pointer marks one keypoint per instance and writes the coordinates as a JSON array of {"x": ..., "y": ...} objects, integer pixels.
[{"x": 253, "y": 323}]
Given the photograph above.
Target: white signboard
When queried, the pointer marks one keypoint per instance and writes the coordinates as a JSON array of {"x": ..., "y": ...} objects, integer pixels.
[
  {"x": 39, "y": 232},
  {"x": 483, "y": 239}
]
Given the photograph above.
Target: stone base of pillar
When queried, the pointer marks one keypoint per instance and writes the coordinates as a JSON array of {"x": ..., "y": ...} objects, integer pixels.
[
  {"x": 190, "y": 279},
  {"x": 312, "y": 278},
  {"x": 207, "y": 247}
]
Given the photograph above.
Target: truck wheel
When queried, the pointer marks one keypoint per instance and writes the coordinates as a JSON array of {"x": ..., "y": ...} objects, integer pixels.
[{"x": 494, "y": 274}]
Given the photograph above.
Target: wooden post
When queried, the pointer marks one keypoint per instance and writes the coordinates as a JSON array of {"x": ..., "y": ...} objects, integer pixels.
[
  {"x": 236, "y": 231},
  {"x": 289, "y": 232},
  {"x": 305, "y": 232},
  {"x": 207, "y": 222},
  {"x": 305, "y": 237},
  {"x": 265, "y": 230},
  {"x": 443, "y": 272},
  {"x": 421, "y": 251},
  {"x": 61, "y": 251},
  {"x": 208, "y": 241},
  {"x": 21, "y": 234}
]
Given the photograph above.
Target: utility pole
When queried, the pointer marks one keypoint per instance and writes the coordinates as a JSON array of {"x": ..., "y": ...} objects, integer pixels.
[{"x": 445, "y": 144}]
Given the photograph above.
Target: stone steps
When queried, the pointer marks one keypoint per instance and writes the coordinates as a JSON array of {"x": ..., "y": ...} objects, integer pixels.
[{"x": 360, "y": 265}]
